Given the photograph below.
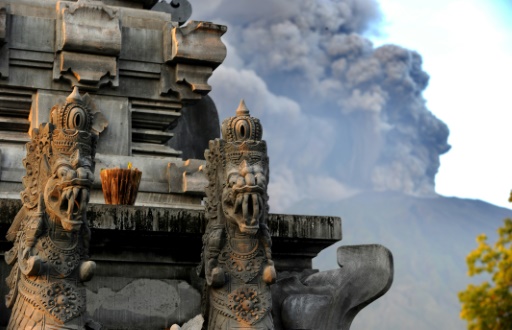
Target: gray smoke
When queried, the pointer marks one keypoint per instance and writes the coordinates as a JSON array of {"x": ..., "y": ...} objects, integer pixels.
[{"x": 339, "y": 114}]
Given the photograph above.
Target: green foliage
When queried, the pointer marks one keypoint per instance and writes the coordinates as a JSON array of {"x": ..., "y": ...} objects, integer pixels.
[{"x": 489, "y": 305}]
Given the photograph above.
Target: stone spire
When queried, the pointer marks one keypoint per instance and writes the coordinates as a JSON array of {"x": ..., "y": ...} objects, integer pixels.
[{"x": 242, "y": 109}]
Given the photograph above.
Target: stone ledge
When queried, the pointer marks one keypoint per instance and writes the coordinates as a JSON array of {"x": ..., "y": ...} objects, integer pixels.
[
  {"x": 173, "y": 236},
  {"x": 188, "y": 221}
]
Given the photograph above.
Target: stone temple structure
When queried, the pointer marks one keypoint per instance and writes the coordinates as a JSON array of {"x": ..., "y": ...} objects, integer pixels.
[{"x": 145, "y": 71}]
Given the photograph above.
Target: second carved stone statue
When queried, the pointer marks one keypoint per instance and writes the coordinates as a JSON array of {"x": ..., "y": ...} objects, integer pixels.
[
  {"x": 50, "y": 232},
  {"x": 236, "y": 257}
]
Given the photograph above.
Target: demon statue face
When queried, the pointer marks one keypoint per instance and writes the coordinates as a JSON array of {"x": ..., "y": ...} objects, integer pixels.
[
  {"x": 50, "y": 232},
  {"x": 244, "y": 196},
  {"x": 236, "y": 260},
  {"x": 66, "y": 193}
]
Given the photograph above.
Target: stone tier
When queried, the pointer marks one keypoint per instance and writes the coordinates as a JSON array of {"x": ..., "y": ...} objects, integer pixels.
[
  {"x": 140, "y": 67},
  {"x": 147, "y": 257}
]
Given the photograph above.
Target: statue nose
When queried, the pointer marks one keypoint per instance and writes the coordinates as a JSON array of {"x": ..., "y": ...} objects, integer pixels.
[
  {"x": 85, "y": 174},
  {"x": 82, "y": 173},
  {"x": 249, "y": 179}
]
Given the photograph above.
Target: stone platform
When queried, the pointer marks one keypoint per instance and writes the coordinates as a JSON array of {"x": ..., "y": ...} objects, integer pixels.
[{"x": 147, "y": 257}]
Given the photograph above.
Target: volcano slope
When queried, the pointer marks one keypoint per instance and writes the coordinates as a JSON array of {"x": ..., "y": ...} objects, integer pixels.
[{"x": 429, "y": 239}]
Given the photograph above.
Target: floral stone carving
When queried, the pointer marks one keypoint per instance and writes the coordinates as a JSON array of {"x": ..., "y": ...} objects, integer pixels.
[
  {"x": 236, "y": 258},
  {"x": 50, "y": 232}
]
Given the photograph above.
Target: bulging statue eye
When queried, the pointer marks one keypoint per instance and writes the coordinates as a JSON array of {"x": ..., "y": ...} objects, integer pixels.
[
  {"x": 70, "y": 175},
  {"x": 62, "y": 172},
  {"x": 232, "y": 180},
  {"x": 77, "y": 119}
]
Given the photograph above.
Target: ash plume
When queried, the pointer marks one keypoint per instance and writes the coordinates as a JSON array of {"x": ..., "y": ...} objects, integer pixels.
[{"x": 336, "y": 110}]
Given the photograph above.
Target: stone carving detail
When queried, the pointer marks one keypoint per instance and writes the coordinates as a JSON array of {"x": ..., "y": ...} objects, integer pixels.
[
  {"x": 187, "y": 178},
  {"x": 88, "y": 42},
  {"x": 187, "y": 66},
  {"x": 50, "y": 233},
  {"x": 236, "y": 257},
  {"x": 330, "y": 300}
]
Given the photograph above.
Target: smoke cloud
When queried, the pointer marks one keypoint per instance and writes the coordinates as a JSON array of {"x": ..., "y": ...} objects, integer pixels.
[{"x": 339, "y": 114}]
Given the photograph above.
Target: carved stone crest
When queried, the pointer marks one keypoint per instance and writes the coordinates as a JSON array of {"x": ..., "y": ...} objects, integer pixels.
[
  {"x": 248, "y": 304},
  {"x": 50, "y": 232},
  {"x": 236, "y": 259}
]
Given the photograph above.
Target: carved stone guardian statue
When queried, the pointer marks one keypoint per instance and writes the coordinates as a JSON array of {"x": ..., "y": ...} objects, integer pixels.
[
  {"x": 50, "y": 232},
  {"x": 236, "y": 258}
]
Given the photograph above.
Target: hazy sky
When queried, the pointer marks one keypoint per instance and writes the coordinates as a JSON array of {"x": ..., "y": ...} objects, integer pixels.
[
  {"x": 341, "y": 115},
  {"x": 467, "y": 50}
]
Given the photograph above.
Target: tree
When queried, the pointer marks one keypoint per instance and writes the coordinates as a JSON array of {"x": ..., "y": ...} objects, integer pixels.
[{"x": 489, "y": 305}]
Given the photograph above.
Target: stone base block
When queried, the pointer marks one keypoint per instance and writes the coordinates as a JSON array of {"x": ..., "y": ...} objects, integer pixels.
[{"x": 138, "y": 303}]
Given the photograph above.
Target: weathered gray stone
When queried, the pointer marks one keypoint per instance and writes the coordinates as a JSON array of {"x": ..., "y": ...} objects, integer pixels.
[
  {"x": 14, "y": 115},
  {"x": 12, "y": 156},
  {"x": 31, "y": 59},
  {"x": 82, "y": 27},
  {"x": 151, "y": 122},
  {"x": 115, "y": 140},
  {"x": 187, "y": 177},
  {"x": 87, "y": 58},
  {"x": 330, "y": 300},
  {"x": 149, "y": 41},
  {"x": 24, "y": 33},
  {"x": 130, "y": 303},
  {"x": 305, "y": 311},
  {"x": 189, "y": 43},
  {"x": 199, "y": 124},
  {"x": 88, "y": 71},
  {"x": 194, "y": 324}
]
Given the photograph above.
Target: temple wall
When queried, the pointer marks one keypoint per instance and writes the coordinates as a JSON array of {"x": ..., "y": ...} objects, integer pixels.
[{"x": 147, "y": 257}]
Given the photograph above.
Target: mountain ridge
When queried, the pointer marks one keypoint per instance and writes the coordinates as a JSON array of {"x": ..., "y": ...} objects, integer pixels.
[{"x": 429, "y": 238}]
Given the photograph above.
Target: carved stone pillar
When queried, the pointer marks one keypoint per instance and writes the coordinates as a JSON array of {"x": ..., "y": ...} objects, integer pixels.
[{"x": 236, "y": 257}]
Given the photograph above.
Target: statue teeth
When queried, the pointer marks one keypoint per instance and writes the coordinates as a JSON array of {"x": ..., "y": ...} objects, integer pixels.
[
  {"x": 76, "y": 190},
  {"x": 255, "y": 205},
  {"x": 239, "y": 202},
  {"x": 71, "y": 202}
]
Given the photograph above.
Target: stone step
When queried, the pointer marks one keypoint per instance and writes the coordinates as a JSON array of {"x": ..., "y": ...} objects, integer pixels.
[
  {"x": 151, "y": 149},
  {"x": 150, "y": 136}
]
